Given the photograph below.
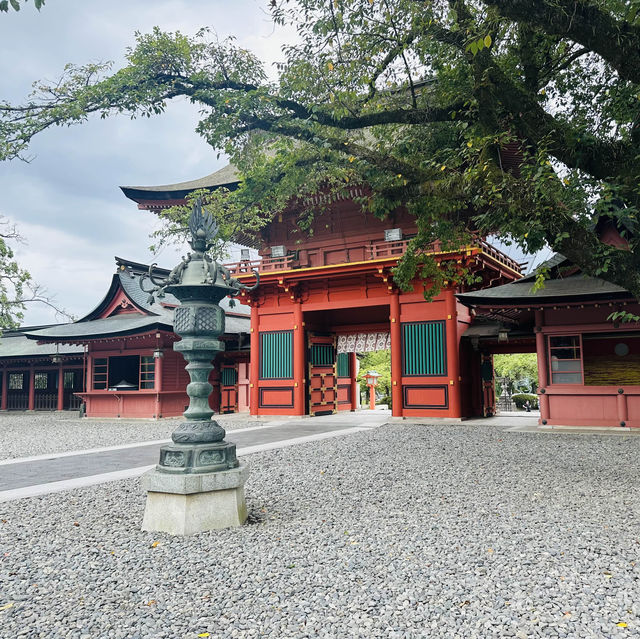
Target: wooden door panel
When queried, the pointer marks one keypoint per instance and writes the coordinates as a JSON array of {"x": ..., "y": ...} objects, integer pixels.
[
  {"x": 229, "y": 388},
  {"x": 322, "y": 385}
]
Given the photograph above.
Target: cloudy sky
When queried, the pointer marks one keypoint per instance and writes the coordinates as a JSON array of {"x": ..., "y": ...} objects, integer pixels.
[{"x": 66, "y": 201}]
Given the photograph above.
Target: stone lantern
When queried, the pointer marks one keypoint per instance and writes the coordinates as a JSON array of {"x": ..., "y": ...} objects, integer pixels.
[
  {"x": 372, "y": 382},
  {"x": 198, "y": 483}
]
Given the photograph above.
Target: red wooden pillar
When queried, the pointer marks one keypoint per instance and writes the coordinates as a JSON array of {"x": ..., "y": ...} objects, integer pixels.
[
  {"x": 621, "y": 403},
  {"x": 298, "y": 359},
  {"x": 396, "y": 356},
  {"x": 543, "y": 367},
  {"x": 60, "y": 387},
  {"x": 5, "y": 385},
  {"x": 32, "y": 389},
  {"x": 355, "y": 390},
  {"x": 453, "y": 356},
  {"x": 157, "y": 386},
  {"x": 254, "y": 366},
  {"x": 88, "y": 379}
]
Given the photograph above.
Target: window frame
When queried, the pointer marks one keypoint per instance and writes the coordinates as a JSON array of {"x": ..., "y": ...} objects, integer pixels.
[
  {"x": 101, "y": 373},
  {"x": 550, "y": 350},
  {"x": 14, "y": 375},
  {"x": 147, "y": 372},
  {"x": 38, "y": 376}
]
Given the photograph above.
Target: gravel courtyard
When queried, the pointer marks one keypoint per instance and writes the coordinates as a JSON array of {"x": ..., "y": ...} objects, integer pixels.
[
  {"x": 402, "y": 531},
  {"x": 28, "y": 434}
]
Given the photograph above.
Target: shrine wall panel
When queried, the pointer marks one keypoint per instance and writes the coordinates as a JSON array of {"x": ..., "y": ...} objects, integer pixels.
[
  {"x": 633, "y": 408},
  {"x": 276, "y": 322},
  {"x": 243, "y": 387},
  {"x": 276, "y": 397},
  {"x": 344, "y": 394},
  {"x": 582, "y": 407},
  {"x": 575, "y": 316},
  {"x": 173, "y": 404},
  {"x": 134, "y": 405},
  {"x": 341, "y": 224},
  {"x": 339, "y": 256},
  {"x": 420, "y": 311},
  {"x": 419, "y": 396},
  {"x": 174, "y": 375}
]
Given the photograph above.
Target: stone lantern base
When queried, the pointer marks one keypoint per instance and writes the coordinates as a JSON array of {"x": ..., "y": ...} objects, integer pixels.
[{"x": 195, "y": 502}]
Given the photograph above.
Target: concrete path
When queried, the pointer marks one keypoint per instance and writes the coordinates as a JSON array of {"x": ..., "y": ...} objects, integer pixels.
[{"x": 32, "y": 476}]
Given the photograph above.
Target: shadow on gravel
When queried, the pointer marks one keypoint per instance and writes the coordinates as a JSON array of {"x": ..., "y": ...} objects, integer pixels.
[{"x": 256, "y": 517}]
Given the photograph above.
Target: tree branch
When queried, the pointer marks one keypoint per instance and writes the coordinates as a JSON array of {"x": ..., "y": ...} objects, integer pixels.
[{"x": 616, "y": 41}]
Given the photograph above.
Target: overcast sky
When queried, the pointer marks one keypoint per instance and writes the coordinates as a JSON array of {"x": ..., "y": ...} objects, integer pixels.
[{"x": 66, "y": 202}]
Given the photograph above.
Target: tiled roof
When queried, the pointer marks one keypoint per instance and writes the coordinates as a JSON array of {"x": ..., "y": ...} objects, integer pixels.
[
  {"x": 111, "y": 326},
  {"x": 16, "y": 344},
  {"x": 126, "y": 325},
  {"x": 569, "y": 288}
]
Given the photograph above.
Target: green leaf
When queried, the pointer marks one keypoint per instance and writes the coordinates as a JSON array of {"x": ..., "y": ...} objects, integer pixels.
[
  {"x": 487, "y": 41},
  {"x": 15, "y": 4},
  {"x": 474, "y": 48}
]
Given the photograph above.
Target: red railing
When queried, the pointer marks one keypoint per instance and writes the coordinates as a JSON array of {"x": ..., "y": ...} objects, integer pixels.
[
  {"x": 497, "y": 255},
  {"x": 266, "y": 264},
  {"x": 373, "y": 251}
]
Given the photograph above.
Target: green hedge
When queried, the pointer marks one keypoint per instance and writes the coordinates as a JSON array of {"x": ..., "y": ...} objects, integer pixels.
[{"x": 521, "y": 398}]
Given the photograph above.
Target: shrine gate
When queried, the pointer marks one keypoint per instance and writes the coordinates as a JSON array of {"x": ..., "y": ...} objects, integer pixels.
[
  {"x": 328, "y": 293},
  {"x": 325, "y": 296}
]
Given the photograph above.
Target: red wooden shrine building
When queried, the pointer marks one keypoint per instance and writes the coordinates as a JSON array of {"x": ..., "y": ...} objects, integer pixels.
[
  {"x": 39, "y": 377},
  {"x": 588, "y": 366},
  {"x": 118, "y": 360},
  {"x": 329, "y": 294}
]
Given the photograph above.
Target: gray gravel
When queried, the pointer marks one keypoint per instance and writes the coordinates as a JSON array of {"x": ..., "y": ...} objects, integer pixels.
[
  {"x": 38, "y": 433},
  {"x": 403, "y": 531}
]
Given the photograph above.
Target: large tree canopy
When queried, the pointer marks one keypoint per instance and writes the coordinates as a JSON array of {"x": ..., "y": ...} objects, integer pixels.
[{"x": 514, "y": 117}]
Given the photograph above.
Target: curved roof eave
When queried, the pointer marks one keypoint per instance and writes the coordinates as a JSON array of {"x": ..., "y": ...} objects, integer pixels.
[
  {"x": 226, "y": 176},
  {"x": 95, "y": 329}
]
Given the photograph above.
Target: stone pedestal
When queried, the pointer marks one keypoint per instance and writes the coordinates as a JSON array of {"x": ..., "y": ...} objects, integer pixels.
[{"x": 194, "y": 502}]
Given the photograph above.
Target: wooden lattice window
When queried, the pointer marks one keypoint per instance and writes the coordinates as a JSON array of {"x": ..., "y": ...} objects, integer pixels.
[
  {"x": 343, "y": 365},
  {"x": 322, "y": 355},
  {"x": 147, "y": 372},
  {"x": 228, "y": 376},
  {"x": 69, "y": 379},
  {"x": 276, "y": 355},
  {"x": 100, "y": 373},
  {"x": 424, "y": 350},
  {"x": 16, "y": 381},
  {"x": 41, "y": 381}
]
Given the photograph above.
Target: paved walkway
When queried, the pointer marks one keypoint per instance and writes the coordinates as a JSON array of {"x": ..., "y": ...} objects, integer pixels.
[
  {"x": 32, "y": 476},
  {"x": 55, "y": 472}
]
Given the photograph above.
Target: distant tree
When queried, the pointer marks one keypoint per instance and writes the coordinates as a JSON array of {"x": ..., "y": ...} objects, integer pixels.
[
  {"x": 514, "y": 117},
  {"x": 379, "y": 361},
  {"x": 516, "y": 367}
]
